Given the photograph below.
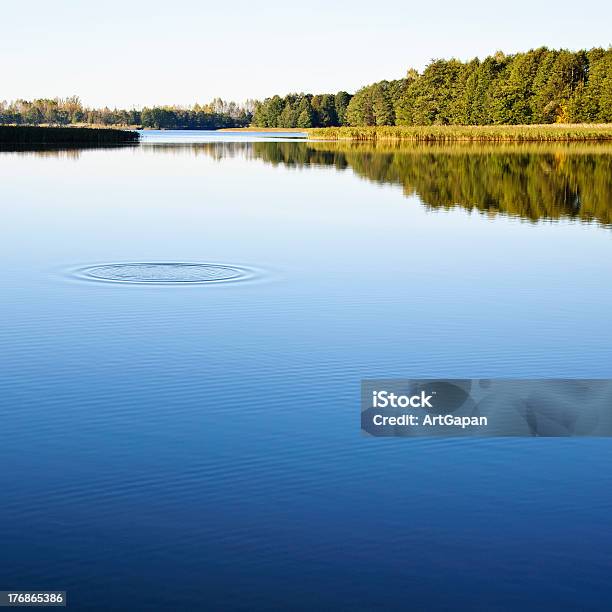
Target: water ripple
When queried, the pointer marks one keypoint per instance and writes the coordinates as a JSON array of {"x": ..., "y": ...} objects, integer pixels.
[{"x": 164, "y": 273}]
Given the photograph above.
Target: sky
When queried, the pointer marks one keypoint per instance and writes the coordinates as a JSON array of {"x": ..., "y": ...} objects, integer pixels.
[{"x": 136, "y": 53}]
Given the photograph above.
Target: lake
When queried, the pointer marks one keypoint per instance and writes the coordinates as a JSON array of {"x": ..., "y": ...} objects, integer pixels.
[{"x": 196, "y": 445}]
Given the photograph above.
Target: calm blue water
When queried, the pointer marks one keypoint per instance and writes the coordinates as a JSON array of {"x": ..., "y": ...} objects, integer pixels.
[{"x": 197, "y": 447}]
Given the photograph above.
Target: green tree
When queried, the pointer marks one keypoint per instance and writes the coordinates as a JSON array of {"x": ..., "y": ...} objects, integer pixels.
[
  {"x": 592, "y": 100},
  {"x": 287, "y": 118},
  {"x": 382, "y": 104},
  {"x": 360, "y": 110},
  {"x": 325, "y": 110},
  {"x": 305, "y": 117},
  {"x": 373, "y": 105},
  {"x": 341, "y": 102},
  {"x": 513, "y": 93},
  {"x": 435, "y": 93}
]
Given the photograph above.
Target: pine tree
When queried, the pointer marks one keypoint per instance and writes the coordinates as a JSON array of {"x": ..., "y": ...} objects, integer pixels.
[
  {"x": 341, "y": 102},
  {"x": 360, "y": 111},
  {"x": 305, "y": 117},
  {"x": 287, "y": 118},
  {"x": 382, "y": 105}
]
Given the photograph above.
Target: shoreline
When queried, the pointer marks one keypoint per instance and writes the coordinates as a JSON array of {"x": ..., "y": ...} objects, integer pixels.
[
  {"x": 37, "y": 135},
  {"x": 468, "y": 133},
  {"x": 390, "y": 134}
]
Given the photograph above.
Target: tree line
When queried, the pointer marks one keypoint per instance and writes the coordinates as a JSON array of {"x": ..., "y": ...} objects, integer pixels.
[
  {"x": 538, "y": 86},
  {"x": 70, "y": 111},
  {"x": 302, "y": 111},
  {"x": 535, "y": 87}
]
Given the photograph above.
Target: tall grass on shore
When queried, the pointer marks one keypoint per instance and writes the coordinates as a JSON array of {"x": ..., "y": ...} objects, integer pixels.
[
  {"x": 470, "y": 133},
  {"x": 34, "y": 135}
]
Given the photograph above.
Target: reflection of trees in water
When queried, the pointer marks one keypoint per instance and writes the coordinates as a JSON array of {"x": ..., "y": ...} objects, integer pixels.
[
  {"x": 528, "y": 181},
  {"x": 215, "y": 150},
  {"x": 56, "y": 151}
]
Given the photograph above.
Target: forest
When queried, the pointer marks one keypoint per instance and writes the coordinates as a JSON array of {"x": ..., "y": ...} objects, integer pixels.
[{"x": 535, "y": 87}]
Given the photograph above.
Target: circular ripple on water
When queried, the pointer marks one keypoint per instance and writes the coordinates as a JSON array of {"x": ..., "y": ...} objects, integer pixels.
[{"x": 168, "y": 273}]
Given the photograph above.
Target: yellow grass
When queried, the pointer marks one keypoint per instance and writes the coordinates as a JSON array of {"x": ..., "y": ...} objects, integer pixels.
[{"x": 474, "y": 133}]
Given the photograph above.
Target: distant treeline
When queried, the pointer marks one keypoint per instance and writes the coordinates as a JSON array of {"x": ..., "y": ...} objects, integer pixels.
[{"x": 70, "y": 111}]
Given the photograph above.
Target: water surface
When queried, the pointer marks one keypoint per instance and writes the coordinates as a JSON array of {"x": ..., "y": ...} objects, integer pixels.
[{"x": 196, "y": 445}]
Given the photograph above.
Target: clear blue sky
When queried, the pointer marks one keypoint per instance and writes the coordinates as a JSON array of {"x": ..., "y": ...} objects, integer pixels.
[{"x": 124, "y": 53}]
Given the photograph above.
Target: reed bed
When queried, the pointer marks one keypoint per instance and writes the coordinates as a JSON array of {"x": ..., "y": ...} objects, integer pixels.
[
  {"x": 468, "y": 133},
  {"x": 35, "y": 135},
  {"x": 460, "y": 147}
]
